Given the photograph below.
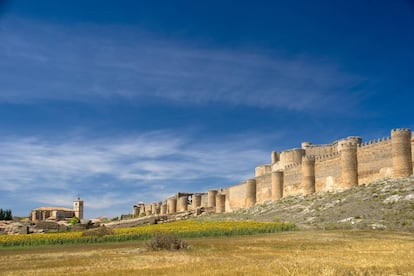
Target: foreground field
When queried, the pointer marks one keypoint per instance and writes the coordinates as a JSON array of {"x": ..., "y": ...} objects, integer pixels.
[
  {"x": 183, "y": 229},
  {"x": 284, "y": 253}
]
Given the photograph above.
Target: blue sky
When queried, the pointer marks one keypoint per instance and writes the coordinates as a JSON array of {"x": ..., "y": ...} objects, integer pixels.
[{"x": 126, "y": 101}]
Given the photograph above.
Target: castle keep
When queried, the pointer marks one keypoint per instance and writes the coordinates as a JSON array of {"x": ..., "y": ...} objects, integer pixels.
[{"x": 302, "y": 171}]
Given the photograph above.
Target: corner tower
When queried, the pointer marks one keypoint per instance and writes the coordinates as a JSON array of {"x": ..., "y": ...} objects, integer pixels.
[
  {"x": 349, "y": 164},
  {"x": 78, "y": 208},
  {"x": 401, "y": 152}
]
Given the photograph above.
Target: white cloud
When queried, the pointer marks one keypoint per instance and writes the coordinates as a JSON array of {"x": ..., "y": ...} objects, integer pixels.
[
  {"x": 117, "y": 172},
  {"x": 90, "y": 63}
]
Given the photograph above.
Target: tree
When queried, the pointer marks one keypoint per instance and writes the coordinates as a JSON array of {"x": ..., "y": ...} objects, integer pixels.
[
  {"x": 6, "y": 214},
  {"x": 74, "y": 220}
]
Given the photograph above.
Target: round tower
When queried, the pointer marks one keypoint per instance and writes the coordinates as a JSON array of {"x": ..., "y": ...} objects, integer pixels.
[
  {"x": 250, "y": 192},
  {"x": 163, "y": 210},
  {"x": 78, "y": 208},
  {"x": 277, "y": 185},
  {"x": 135, "y": 211},
  {"x": 141, "y": 207},
  {"x": 220, "y": 203},
  {"x": 172, "y": 205},
  {"x": 196, "y": 201},
  {"x": 308, "y": 175},
  {"x": 154, "y": 208},
  {"x": 275, "y": 157},
  {"x": 402, "y": 164},
  {"x": 292, "y": 156},
  {"x": 148, "y": 209},
  {"x": 349, "y": 164},
  {"x": 211, "y": 198},
  {"x": 182, "y": 204},
  {"x": 305, "y": 145}
]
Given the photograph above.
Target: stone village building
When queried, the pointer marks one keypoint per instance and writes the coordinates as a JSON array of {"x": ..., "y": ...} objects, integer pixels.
[{"x": 58, "y": 213}]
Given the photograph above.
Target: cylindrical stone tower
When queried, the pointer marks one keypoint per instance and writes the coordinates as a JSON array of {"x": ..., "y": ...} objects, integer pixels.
[
  {"x": 250, "y": 192},
  {"x": 154, "y": 207},
  {"x": 163, "y": 210},
  {"x": 148, "y": 209},
  {"x": 220, "y": 203},
  {"x": 412, "y": 149},
  {"x": 211, "y": 198},
  {"x": 196, "y": 201},
  {"x": 135, "y": 211},
  {"x": 402, "y": 164},
  {"x": 349, "y": 164},
  {"x": 182, "y": 204},
  {"x": 141, "y": 207},
  {"x": 308, "y": 175},
  {"x": 172, "y": 205},
  {"x": 274, "y": 157},
  {"x": 277, "y": 185}
]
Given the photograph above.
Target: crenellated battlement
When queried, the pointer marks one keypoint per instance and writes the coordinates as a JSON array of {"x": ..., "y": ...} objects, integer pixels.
[
  {"x": 327, "y": 156},
  {"x": 312, "y": 168},
  {"x": 308, "y": 158},
  {"x": 375, "y": 142},
  {"x": 294, "y": 165},
  {"x": 400, "y": 132},
  {"x": 348, "y": 144}
]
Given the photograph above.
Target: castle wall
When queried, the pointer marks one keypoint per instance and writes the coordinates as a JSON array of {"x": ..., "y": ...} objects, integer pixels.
[
  {"x": 327, "y": 173},
  {"x": 292, "y": 181},
  {"x": 263, "y": 169},
  {"x": 319, "y": 150},
  {"x": 264, "y": 188},
  {"x": 374, "y": 160},
  {"x": 313, "y": 168},
  {"x": 204, "y": 200},
  {"x": 412, "y": 148},
  {"x": 235, "y": 196}
]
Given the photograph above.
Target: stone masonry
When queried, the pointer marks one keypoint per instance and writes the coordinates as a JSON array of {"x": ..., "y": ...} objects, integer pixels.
[{"x": 343, "y": 164}]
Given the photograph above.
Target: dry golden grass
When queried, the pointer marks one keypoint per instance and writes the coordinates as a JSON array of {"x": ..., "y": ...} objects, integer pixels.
[{"x": 287, "y": 253}]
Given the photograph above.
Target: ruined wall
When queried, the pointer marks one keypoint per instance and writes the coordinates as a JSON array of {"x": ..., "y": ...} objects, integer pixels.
[
  {"x": 264, "y": 188},
  {"x": 374, "y": 160},
  {"x": 327, "y": 172},
  {"x": 292, "y": 181},
  {"x": 235, "y": 197}
]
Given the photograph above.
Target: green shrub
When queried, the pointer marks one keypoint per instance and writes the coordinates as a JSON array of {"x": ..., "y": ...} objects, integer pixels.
[{"x": 74, "y": 220}]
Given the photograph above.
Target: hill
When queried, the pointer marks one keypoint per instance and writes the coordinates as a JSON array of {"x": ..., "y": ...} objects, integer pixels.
[{"x": 386, "y": 205}]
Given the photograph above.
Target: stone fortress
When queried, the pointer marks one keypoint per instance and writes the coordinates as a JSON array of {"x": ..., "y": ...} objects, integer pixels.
[{"x": 302, "y": 171}]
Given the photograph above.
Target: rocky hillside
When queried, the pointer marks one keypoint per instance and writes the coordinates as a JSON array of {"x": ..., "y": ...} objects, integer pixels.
[{"x": 387, "y": 204}]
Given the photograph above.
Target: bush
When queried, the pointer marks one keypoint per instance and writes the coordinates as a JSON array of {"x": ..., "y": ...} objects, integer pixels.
[
  {"x": 74, "y": 220},
  {"x": 166, "y": 241},
  {"x": 98, "y": 232}
]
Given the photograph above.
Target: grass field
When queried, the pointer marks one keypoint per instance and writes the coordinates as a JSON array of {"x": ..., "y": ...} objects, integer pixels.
[{"x": 283, "y": 253}]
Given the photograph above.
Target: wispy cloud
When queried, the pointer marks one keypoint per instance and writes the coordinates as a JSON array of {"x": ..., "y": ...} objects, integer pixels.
[
  {"x": 111, "y": 174},
  {"x": 90, "y": 63}
]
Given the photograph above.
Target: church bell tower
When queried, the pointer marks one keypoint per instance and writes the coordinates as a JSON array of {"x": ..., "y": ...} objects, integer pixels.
[{"x": 78, "y": 208}]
